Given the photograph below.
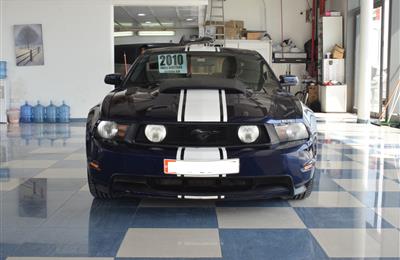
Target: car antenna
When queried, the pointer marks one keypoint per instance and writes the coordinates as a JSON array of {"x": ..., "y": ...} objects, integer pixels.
[{"x": 126, "y": 64}]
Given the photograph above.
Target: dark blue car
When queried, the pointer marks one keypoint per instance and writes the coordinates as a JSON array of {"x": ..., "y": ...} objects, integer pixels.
[{"x": 197, "y": 122}]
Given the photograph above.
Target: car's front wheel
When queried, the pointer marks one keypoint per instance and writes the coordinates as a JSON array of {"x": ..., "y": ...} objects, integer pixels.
[
  {"x": 98, "y": 194},
  {"x": 307, "y": 193}
]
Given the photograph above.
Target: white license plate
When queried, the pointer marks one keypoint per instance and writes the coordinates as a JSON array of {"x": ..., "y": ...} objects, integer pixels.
[{"x": 221, "y": 167}]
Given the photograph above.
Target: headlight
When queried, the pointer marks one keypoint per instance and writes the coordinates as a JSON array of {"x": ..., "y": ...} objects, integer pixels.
[
  {"x": 291, "y": 132},
  {"x": 155, "y": 133},
  {"x": 107, "y": 129},
  {"x": 248, "y": 133}
]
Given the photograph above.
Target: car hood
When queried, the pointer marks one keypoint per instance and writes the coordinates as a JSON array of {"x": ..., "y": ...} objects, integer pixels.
[{"x": 136, "y": 104}]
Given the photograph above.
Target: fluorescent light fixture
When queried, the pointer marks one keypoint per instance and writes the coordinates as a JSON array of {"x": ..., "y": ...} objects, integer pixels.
[
  {"x": 126, "y": 24},
  {"x": 123, "y": 34},
  {"x": 141, "y": 14},
  {"x": 156, "y": 33},
  {"x": 167, "y": 24},
  {"x": 189, "y": 19},
  {"x": 148, "y": 22}
]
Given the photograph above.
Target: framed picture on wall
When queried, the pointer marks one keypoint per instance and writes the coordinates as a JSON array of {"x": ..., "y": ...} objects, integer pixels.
[{"x": 28, "y": 44}]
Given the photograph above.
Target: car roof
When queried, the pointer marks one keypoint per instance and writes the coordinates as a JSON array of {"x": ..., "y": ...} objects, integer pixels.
[{"x": 200, "y": 48}]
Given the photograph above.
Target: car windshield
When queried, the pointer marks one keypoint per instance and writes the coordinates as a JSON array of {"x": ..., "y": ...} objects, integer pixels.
[{"x": 251, "y": 69}]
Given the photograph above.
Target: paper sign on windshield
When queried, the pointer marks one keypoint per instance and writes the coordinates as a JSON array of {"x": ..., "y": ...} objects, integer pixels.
[{"x": 172, "y": 63}]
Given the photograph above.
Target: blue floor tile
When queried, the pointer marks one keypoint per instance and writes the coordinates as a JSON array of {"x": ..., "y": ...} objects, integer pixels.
[
  {"x": 175, "y": 218},
  {"x": 379, "y": 199},
  {"x": 254, "y": 203},
  {"x": 341, "y": 218},
  {"x": 239, "y": 244},
  {"x": 71, "y": 242},
  {"x": 322, "y": 183}
]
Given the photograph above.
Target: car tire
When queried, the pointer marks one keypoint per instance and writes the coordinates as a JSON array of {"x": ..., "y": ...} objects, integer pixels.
[
  {"x": 95, "y": 191},
  {"x": 307, "y": 193}
]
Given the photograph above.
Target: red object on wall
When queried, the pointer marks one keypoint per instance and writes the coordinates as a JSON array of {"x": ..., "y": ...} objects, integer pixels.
[{"x": 322, "y": 5}]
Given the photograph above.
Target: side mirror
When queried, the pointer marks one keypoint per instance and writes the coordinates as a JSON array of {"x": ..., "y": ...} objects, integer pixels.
[{"x": 113, "y": 79}]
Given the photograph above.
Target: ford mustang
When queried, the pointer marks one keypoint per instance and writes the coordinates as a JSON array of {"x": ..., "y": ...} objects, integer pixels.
[{"x": 200, "y": 122}]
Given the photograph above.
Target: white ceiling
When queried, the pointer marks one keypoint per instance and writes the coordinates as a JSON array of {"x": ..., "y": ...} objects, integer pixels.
[{"x": 156, "y": 17}]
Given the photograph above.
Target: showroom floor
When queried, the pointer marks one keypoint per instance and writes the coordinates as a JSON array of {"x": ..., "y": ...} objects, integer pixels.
[{"x": 46, "y": 208}]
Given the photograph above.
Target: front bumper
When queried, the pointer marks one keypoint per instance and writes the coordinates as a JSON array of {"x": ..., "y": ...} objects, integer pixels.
[{"x": 264, "y": 173}]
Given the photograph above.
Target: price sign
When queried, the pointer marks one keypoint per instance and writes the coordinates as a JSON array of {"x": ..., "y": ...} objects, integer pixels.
[{"x": 172, "y": 63}]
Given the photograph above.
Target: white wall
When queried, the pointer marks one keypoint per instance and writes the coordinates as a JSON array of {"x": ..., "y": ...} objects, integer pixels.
[
  {"x": 78, "y": 51},
  {"x": 157, "y": 39},
  {"x": 252, "y": 13}
]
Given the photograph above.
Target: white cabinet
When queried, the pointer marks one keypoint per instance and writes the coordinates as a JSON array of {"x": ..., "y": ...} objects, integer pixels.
[
  {"x": 333, "y": 98},
  {"x": 332, "y": 32},
  {"x": 263, "y": 47}
]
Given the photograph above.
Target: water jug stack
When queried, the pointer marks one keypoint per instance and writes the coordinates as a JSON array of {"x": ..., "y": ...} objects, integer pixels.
[
  {"x": 42, "y": 114},
  {"x": 38, "y": 113},
  {"x": 63, "y": 113},
  {"x": 26, "y": 113},
  {"x": 51, "y": 113}
]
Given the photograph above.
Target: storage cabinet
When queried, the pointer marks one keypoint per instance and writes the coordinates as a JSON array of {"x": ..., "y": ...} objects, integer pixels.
[{"x": 333, "y": 98}]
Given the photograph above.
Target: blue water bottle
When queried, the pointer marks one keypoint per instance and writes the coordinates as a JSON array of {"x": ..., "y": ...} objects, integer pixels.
[
  {"x": 38, "y": 113},
  {"x": 51, "y": 113},
  {"x": 26, "y": 113},
  {"x": 3, "y": 69},
  {"x": 63, "y": 113}
]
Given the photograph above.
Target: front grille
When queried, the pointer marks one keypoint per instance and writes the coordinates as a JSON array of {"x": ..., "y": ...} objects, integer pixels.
[
  {"x": 199, "y": 185},
  {"x": 209, "y": 135}
]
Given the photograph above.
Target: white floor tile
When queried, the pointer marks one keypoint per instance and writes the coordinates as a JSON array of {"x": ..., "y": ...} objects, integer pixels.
[
  {"x": 327, "y": 199},
  {"x": 54, "y": 150},
  {"x": 26, "y": 164},
  {"x": 76, "y": 157},
  {"x": 359, "y": 242},
  {"x": 368, "y": 185},
  {"x": 329, "y": 165},
  {"x": 185, "y": 243},
  {"x": 391, "y": 215},
  {"x": 246, "y": 217},
  {"x": 63, "y": 173},
  {"x": 10, "y": 184}
]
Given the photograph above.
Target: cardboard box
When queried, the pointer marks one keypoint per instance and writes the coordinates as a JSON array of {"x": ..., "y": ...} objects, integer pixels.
[
  {"x": 313, "y": 94},
  {"x": 254, "y": 35},
  {"x": 338, "y": 52},
  {"x": 232, "y": 33},
  {"x": 235, "y": 24}
]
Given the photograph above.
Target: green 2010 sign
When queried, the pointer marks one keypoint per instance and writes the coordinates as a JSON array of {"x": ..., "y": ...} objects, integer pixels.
[{"x": 172, "y": 63}]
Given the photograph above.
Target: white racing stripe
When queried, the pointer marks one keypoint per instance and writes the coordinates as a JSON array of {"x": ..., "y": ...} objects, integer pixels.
[
  {"x": 224, "y": 107},
  {"x": 202, "y": 105},
  {"x": 180, "y": 105},
  {"x": 198, "y": 105}
]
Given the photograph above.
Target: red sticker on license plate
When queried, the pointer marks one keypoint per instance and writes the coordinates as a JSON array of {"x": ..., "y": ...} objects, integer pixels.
[{"x": 166, "y": 162}]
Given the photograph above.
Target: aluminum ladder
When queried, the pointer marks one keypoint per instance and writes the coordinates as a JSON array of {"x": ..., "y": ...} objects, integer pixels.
[{"x": 217, "y": 20}]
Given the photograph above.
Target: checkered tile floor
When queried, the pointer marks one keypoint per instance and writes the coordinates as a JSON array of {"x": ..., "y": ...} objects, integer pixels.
[{"x": 48, "y": 213}]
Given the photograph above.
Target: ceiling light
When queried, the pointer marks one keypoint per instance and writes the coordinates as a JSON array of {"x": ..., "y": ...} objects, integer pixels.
[
  {"x": 126, "y": 24},
  {"x": 148, "y": 22},
  {"x": 156, "y": 33},
  {"x": 141, "y": 14},
  {"x": 167, "y": 24},
  {"x": 189, "y": 19},
  {"x": 123, "y": 34}
]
